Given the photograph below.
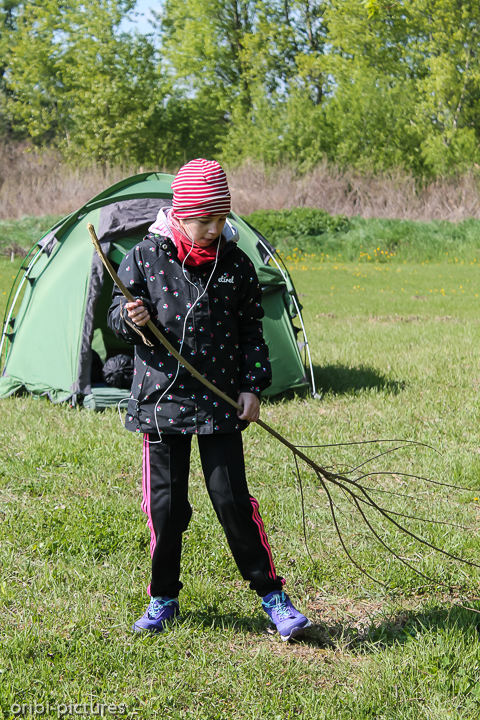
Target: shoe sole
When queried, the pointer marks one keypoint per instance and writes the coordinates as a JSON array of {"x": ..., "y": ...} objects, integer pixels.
[
  {"x": 295, "y": 631},
  {"x": 144, "y": 631},
  {"x": 155, "y": 630}
]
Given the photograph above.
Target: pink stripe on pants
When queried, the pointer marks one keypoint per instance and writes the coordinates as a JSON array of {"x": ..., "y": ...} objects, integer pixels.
[
  {"x": 145, "y": 506},
  {"x": 263, "y": 536}
]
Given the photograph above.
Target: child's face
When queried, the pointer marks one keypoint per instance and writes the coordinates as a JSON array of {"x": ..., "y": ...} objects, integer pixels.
[{"x": 204, "y": 230}]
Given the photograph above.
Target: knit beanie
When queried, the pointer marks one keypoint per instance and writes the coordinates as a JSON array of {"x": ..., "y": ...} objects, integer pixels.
[{"x": 200, "y": 189}]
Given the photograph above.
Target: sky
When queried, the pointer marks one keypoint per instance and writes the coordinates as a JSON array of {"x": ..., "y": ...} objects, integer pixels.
[{"x": 141, "y": 23}]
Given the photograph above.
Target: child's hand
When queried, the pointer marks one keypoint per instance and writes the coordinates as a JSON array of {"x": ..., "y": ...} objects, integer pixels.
[
  {"x": 251, "y": 407},
  {"x": 137, "y": 312}
]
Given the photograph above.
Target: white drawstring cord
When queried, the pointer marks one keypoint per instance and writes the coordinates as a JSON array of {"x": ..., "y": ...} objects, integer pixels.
[{"x": 190, "y": 310}]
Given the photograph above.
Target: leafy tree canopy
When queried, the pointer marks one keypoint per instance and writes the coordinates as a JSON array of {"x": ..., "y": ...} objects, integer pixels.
[{"x": 366, "y": 83}]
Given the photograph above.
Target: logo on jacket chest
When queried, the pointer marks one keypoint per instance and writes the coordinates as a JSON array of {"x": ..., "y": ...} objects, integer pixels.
[{"x": 226, "y": 279}]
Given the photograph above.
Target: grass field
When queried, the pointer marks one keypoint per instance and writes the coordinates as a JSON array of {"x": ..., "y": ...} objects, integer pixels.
[{"x": 396, "y": 352}]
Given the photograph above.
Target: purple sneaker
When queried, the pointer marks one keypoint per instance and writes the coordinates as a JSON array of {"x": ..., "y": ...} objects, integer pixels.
[
  {"x": 160, "y": 611},
  {"x": 287, "y": 619}
]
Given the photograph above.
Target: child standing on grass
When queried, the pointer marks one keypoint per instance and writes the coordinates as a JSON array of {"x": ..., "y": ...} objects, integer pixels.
[{"x": 192, "y": 280}]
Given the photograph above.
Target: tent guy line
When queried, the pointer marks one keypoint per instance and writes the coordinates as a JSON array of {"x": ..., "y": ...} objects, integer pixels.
[{"x": 348, "y": 486}]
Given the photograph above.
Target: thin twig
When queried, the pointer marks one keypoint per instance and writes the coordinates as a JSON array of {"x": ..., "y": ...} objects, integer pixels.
[
  {"x": 420, "y": 519},
  {"x": 369, "y": 442},
  {"x": 416, "y": 477},
  {"x": 408, "y": 532},
  {"x": 340, "y": 537},
  {"x": 375, "y": 457},
  {"x": 387, "y": 547},
  {"x": 300, "y": 484}
]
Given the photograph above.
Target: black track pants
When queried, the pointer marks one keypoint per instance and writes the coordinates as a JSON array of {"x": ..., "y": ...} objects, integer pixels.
[{"x": 166, "y": 467}]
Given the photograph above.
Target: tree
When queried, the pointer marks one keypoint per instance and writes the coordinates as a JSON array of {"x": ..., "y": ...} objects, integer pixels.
[
  {"x": 242, "y": 59},
  {"x": 7, "y": 26},
  {"x": 77, "y": 82},
  {"x": 371, "y": 83},
  {"x": 426, "y": 54},
  {"x": 446, "y": 46}
]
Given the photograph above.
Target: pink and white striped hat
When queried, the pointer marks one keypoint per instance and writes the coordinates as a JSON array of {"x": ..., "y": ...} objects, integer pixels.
[{"x": 200, "y": 188}]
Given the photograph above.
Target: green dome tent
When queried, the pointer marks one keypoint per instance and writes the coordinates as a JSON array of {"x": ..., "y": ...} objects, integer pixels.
[{"x": 62, "y": 317}]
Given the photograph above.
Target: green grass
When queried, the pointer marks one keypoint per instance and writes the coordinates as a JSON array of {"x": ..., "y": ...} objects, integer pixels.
[
  {"x": 26, "y": 231},
  {"x": 396, "y": 354},
  {"x": 369, "y": 239}
]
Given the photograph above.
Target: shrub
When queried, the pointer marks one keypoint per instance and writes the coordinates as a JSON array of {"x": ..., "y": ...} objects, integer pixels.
[{"x": 297, "y": 226}]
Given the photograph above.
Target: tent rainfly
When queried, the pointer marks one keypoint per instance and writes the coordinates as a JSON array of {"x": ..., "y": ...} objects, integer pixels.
[{"x": 62, "y": 317}]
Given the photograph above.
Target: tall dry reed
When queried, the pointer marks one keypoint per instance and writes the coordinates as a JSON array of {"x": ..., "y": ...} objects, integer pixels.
[
  {"x": 387, "y": 195},
  {"x": 33, "y": 183}
]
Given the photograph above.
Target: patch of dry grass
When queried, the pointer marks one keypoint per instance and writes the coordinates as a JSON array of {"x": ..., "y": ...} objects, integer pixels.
[
  {"x": 36, "y": 183},
  {"x": 347, "y": 192}
]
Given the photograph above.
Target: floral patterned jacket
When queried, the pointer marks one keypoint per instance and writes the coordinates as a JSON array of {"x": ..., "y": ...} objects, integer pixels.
[{"x": 223, "y": 338}]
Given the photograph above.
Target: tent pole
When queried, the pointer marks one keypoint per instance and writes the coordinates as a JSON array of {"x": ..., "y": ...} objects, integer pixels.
[
  {"x": 307, "y": 345},
  {"x": 286, "y": 278},
  {"x": 12, "y": 306}
]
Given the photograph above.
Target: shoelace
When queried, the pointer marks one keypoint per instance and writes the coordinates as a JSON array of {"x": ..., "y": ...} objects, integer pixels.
[
  {"x": 156, "y": 605},
  {"x": 279, "y": 604}
]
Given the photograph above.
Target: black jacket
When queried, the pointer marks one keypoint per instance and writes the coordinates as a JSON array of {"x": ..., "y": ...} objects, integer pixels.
[{"x": 223, "y": 338}]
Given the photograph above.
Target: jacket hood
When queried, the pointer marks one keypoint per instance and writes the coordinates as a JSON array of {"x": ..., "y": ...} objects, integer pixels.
[{"x": 162, "y": 227}]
